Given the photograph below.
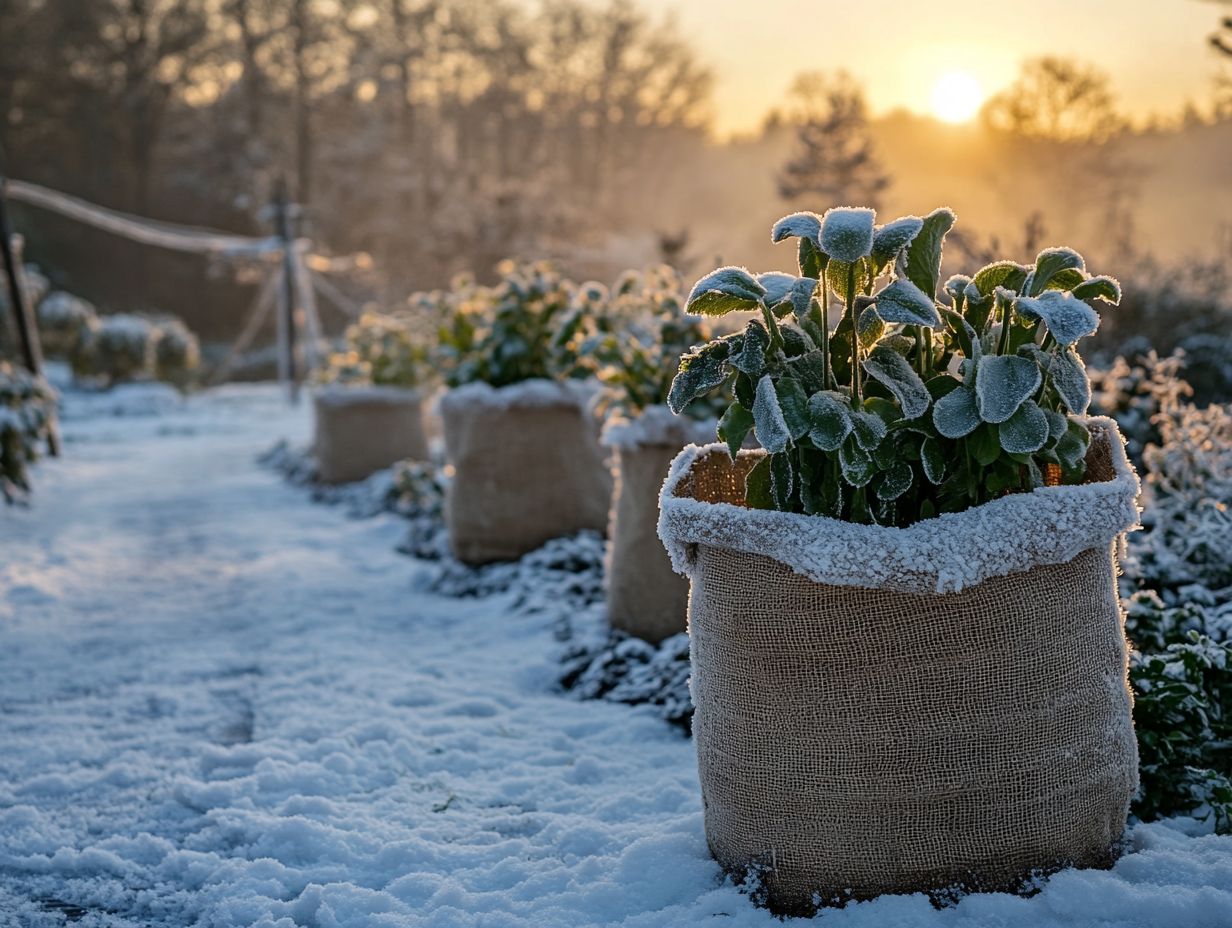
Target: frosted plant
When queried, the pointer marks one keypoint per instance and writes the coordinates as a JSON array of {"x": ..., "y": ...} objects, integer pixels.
[
  {"x": 120, "y": 348},
  {"x": 65, "y": 324},
  {"x": 382, "y": 349},
  {"x": 27, "y": 409},
  {"x": 177, "y": 353},
  {"x": 877, "y": 401}
]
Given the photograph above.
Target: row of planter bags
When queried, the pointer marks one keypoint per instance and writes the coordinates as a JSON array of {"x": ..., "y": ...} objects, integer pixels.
[{"x": 878, "y": 709}]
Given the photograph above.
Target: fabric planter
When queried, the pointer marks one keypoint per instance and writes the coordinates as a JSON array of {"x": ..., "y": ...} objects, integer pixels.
[
  {"x": 896, "y": 710},
  {"x": 527, "y": 467},
  {"x": 645, "y": 596},
  {"x": 361, "y": 430}
]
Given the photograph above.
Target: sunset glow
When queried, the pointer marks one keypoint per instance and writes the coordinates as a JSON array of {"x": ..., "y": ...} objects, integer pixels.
[{"x": 957, "y": 96}]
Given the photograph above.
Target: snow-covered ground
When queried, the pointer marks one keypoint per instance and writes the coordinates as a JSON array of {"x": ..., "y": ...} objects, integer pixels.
[{"x": 222, "y": 705}]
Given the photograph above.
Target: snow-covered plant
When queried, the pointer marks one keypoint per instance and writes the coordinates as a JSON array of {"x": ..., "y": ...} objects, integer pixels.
[
  {"x": 383, "y": 349},
  {"x": 1135, "y": 392},
  {"x": 908, "y": 406},
  {"x": 177, "y": 353},
  {"x": 418, "y": 487},
  {"x": 27, "y": 410},
  {"x": 637, "y": 358},
  {"x": 120, "y": 348},
  {"x": 533, "y": 324},
  {"x": 65, "y": 324}
]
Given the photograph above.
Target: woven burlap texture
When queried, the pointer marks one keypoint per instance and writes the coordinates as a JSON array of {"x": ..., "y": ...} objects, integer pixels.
[
  {"x": 645, "y": 596},
  {"x": 854, "y": 741},
  {"x": 523, "y": 473},
  {"x": 362, "y": 431}
]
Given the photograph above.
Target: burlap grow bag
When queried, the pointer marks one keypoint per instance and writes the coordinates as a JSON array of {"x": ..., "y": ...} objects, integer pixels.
[
  {"x": 645, "y": 596},
  {"x": 360, "y": 430},
  {"x": 894, "y": 710},
  {"x": 527, "y": 467}
]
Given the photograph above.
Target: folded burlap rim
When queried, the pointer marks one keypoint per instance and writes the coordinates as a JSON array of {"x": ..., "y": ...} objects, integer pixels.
[{"x": 954, "y": 551}]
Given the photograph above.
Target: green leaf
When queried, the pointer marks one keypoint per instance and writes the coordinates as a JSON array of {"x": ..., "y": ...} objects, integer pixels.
[
  {"x": 811, "y": 259},
  {"x": 1057, "y": 424},
  {"x": 728, "y": 289},
  {"x": 1008, "y": 274},
  {"x": 795, "y": 405},
  {"x": 745, "y": 389},
  {"x": 735, "y": 426},
  {"x": 750, "y": 355},
  {"x": 1069, "y": 378},
  {"x": 968, "y": 340},
  {"x": 1067, "y": 279},
  {"x": 782, "y": 481},
  {"x": 847, "y": 233},
  {"x": 902, "y": 301},
  {"x": 856, "y": 463},
  {"x": 891, "y": 370},
  {"x": 836, "y": 277},
  {"x": 893, "y": 237},
  {"x": 1072, "y": 447},
  {"x": 896, "y": 482},
  {"x": 924, "y": 253},
  {"x": 701, "y": 370},
  {"x": 1002, "y": 383},
  {"x": 955, "y": 287},
  {"x": 1048, "y": 264},
  {"x": 809, "y": 370},
  {"x": 768, "y": 421},
  {"x": 1103, "y": 288},
  {"x": 757, "y": 486},
  {"x": 1025, "y": 431},
  {"x": 985, "y": 444},
  {"x": 795, "y": 341},
  {"x": 932, "y": 459},
  {"x": 1066, "y": 317},
  {"x": 871, "y": 327},
  {"x": 956, "y": 413},
  {"x": 831, "y": 420},
  {"x": 786, "y": 293},
  {"x": 869, "y": 429},
  {"x": 804, "y": 225}
]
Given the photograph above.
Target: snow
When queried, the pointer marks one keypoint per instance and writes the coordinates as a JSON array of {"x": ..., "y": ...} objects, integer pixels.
[
  {"x": 847, "y": 232},
  {"x": 223, "y": 705},
  {"x": 657, "y": 425},
  {"x": 536, "y": 392}
]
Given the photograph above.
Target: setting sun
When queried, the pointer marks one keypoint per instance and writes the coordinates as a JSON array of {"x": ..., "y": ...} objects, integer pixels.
[{"x": 957, "y": 96}]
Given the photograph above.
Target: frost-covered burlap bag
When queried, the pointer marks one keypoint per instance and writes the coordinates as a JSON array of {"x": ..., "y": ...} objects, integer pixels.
[
  {"x": 527, "y": 467},
  {"x": 645, "y": 596},
  {"x": 902, "y": 709},
  {"x": 360, "y": 430}
]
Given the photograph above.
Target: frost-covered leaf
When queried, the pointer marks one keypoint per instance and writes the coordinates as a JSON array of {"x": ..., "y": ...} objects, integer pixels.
[
  {"x": 1069, "y": 379},
  {"x": 757, "y": 490},
  {"x": 1103, "y": 288},
  {"x": 869, "y": 429},
  {"x": 795, "y": 340},
  {"x": 1002, "y": 383},
  {"x": 924, "y": 253},
  {"x": 809, "y": 369},
  {"x": 1025, "y": 431},
  {"x": 902, "y": 301},
  {"x": 1057, "y": 424},
  {"x": 701, "y": 370},
  {"x": 836, "y": 277},
  {"x": 1066, "y": 317},
  {"x": 1049, "y": 263},
  {"x": 891, "y": 370},
  {"x": 856, "y": 463},
  {"x": 956, "y": 414},
  {"x": 735, "y": 426},
  {"x": 782, "y": 481},
  {"x": 729, "y": 289},
  {"x": 968, "y": 339},
  {"x": 768, "y": 422},
  {"x": 795, "y": 405},
  {"x": 932, "y": 459},
  {"x": 831, "y": 420},
  {"x": 801, "y": 225},
  {"x": 896, "y": 481},
  {"x": 1066, "y": 279},
  {"x": 871, "y": 327},
  {"x": 786, "y": 293},
  {"x": 847, "y": 233},
  {"x": 893, "y": 237},
  {"x": 749, "y": 355},
  {"x": 956, "y": 286},
  {"x": 1072, "y": 447},
  {"x": 1008, "y": 274},
  {"x": 811, "y": 259}
]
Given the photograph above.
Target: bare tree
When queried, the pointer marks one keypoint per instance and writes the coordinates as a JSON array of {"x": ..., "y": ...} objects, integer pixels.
[
  {"x": 1057, "y": 100},
  {"x": 835, "y": 159}
]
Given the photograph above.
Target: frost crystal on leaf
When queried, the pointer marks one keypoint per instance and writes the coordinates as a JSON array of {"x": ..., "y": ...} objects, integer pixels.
[
  {"x": 768, "y": 422},
  {"x": 896, "y": 482},
  {"x": 700, "y": 372},
  {"x": 847, "y": 233},
  {"x": 894, "y": 372},
  {"x": 787, "y": 291},
  {"x": 1103, "y": 288},
  {"x": 869, "y": 429},
  {"x": 1069, "y": 379},
  {"x": 801, "y": 225},
  {"x": 893, "y": 237},
  {"x": 1025, "y": 431},
  {"x": 956, "y": 413},
  {"x": 750, "y": 353},
  {"x": 729, "y": 289},
  {"x": 831, "y": 420},
  {"x": 794, "y": 403},
  {"x": 1067, "y": 317},
  {"x": 1049, "y": 263},
  {"x": 902, "y": 301},
  {"x": 1002, "y": 383},
  {"x": 924, "y": 253}
]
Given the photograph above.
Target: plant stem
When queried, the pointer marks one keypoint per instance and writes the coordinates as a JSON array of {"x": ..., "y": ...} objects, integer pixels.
[
  {"x": 822, "y": 318},
  {"x": 857, "y": 398},
  {"x": 1007, "y": 316},
  {"x": 920, "y": 361}
]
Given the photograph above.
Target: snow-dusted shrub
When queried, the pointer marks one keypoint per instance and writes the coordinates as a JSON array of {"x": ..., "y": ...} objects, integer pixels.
[
  {"x": 27, "y": 412},
  {"x": 65, "y": 324},
  {"x": 120, "y": 348},
  {"x": 177, "y": 353},
  {"x": 1134, "y": 392},
  {"x": 382, "y": 349},
  {"x": 909, "y": 408}
]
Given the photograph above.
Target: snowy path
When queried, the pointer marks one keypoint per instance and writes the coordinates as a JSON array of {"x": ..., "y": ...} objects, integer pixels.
[{"x": 222, "y": 705}]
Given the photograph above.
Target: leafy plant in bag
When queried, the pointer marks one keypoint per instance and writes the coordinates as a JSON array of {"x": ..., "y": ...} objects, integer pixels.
[
  {"x": 382, "y": 349},
  {"x": 877, "y": 402}
]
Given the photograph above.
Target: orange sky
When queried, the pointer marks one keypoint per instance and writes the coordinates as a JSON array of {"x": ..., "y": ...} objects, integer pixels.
[{"x": 1154, "y": 50}]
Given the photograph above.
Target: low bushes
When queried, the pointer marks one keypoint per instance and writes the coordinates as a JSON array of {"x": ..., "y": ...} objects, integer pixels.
[{"x": 27, "y": 413}]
